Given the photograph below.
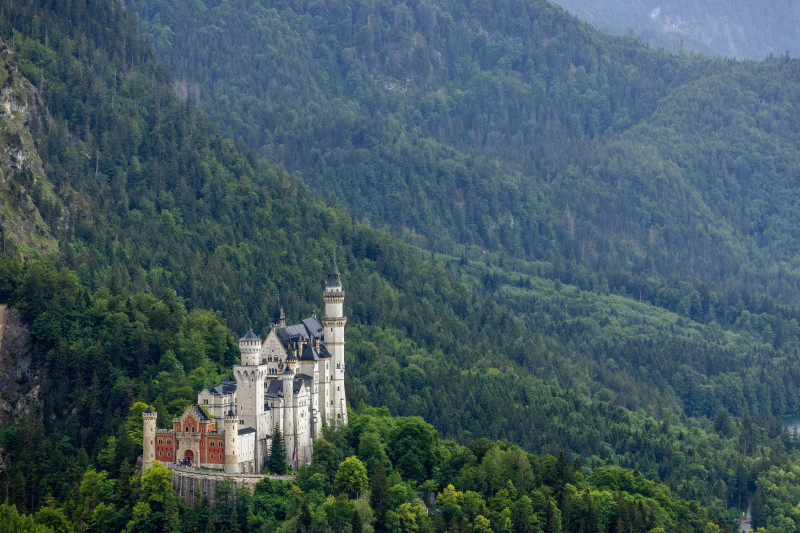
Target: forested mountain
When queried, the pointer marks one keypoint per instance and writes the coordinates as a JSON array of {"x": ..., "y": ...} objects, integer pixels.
[
  {"x": 158, "y": 217},
  {"x": 508, "y": 126},
  {"x": 732, "y": 28}
]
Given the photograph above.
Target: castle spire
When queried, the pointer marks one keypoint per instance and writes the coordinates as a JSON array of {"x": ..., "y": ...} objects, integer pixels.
[
  {"x": 334, "y": 280},
  {"x": 279, "y": 318}
]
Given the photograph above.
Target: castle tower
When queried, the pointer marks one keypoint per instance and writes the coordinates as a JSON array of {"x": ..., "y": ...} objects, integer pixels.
[
  {"x": 289, "y": 430},
  {"x": 148, "y": 438},
  {"x": 250, "y": 347},
  {"x": 333, "y": 323},
  {"x": 250, "y": 377},
  {"x": 231, "y": 451}
]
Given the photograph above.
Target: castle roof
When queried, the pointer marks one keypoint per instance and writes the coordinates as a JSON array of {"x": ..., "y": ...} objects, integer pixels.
[
  {"x": 275, "y": 387},
  {"x": 309, "y": 353},
  {"x": 303, "y": 376},
  {"x": 310, "y": 327},
  {"x": 334, "y": 280},
  {"x": 250, "y": 337},
  {"x": 323, "y": 352},
  {"x": 287, "y": 370},
  {"x": 246, "y": 431},
  {"x": 228, "y": 386},
  {"x": 200, "y": 413}
]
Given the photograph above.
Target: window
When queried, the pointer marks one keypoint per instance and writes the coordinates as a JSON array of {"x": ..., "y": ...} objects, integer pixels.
[
  {"x": 159, "y": 454},
  {"x": 160, "y": 441},
  {"x": 169, "y": 442},
  {"x": 212, "y": 455},
  {"x": 339, "y": 415},
  {"x": 169, "y": 454},
  {"x": 187, "y": 429},
  {"x": 212, "y": 443},
  {"x": 206, "y": 402}
]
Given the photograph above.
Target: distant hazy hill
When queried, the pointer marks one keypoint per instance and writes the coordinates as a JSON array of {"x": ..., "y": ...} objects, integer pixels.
[{"x": 733, "y": 28}]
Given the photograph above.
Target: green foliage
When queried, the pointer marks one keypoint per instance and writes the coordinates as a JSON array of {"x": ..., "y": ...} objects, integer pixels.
[
  {"x": 276, "y": 463},
  {"x": 351, "y": 478},
  {"x": 515, "y": 129}
]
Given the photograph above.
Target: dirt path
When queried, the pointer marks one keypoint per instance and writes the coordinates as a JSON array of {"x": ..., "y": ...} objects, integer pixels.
[{"x": 744, "y": 524}]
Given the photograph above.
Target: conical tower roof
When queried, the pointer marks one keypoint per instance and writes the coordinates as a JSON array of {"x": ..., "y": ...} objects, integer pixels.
[{"x": 334, "y": 280}]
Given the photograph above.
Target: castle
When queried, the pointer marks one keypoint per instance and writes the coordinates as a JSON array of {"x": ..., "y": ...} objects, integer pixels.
[{"x": 293, "y": 380}]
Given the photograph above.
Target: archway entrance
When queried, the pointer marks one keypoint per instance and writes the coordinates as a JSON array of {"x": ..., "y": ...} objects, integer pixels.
[{"x": 189, "y": 456}]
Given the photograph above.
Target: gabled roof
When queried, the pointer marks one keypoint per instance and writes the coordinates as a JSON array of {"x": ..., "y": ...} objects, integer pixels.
[
  {"x": 303, "y": 376},
  {"x": 308, "y": 328},
  {"x": 313, "y": 326},
  {"x": 245, "y": 431},
  {"x": 323, "y": 352},
  {"x": 200, "y": 413}
]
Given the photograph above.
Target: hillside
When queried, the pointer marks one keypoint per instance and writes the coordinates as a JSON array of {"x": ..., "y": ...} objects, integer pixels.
[
  {"x": 732, "y": 28},
  {"x": 514, "y": 128},
  {"x": 175, "y": 219}
]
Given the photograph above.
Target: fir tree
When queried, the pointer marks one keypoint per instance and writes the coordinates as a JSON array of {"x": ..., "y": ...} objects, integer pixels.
[
  {"x": 277, "y": 456},
  {"x": 379, "y": 496}
]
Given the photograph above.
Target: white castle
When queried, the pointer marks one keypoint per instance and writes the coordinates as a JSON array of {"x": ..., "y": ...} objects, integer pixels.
[{"x": 293, "y": 380}]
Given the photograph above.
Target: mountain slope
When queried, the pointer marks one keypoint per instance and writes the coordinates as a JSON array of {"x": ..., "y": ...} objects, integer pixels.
[
  {"x": 168, "y": 206},
  {"x": 515, "y": 128}
]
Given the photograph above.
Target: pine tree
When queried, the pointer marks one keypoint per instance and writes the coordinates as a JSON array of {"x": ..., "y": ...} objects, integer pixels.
[
  {"x": 277, "y": 456},
  {"x": 379, "y": 497}
]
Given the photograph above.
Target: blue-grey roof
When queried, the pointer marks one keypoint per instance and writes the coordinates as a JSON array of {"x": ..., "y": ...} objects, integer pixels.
[
  {"x": 313, "y": 326},
  {"x": 288, "y": 370},
  {"x": 228, "y": 386},
  {"x": 303, "y": 376},
  {"x": 309, "y": 353},
  {"x": 310, "y": 327},
  {"x": 250, "y": 337},
  {"x": 334, "y": 279},
  {"x": 200, "y": 413},
  {"x": 323, "y": 352},
  {"x": 246, "y": 431},
  {"x": 275, "y": 388}
]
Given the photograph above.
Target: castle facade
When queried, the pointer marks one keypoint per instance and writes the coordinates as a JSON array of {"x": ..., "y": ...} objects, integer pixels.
[{"x": 294, "y": 380}]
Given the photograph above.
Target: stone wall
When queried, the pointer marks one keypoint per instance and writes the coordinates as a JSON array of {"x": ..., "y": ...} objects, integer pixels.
[{"x": 191, "y": 485}]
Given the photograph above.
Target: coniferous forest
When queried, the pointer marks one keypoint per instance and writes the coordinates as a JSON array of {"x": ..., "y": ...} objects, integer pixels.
[{"x": 568, "y": 259}]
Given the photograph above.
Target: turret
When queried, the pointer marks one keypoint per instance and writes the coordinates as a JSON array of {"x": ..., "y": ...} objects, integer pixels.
[
  {"x": 148, "y": 438},
  {"x": 279, "y": 319},
  {"x": 231, "y": 451},
  {"x": 250, "y": 347},
  {"x": 333, "y": 323}
]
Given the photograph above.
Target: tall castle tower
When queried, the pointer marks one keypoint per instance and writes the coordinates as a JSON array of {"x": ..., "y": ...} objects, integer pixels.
[
  {"x": 334, "y": 321},
  {"x": 148, "y": 438},
  {"x": 250, "y": 379}
]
